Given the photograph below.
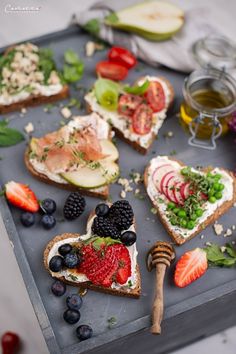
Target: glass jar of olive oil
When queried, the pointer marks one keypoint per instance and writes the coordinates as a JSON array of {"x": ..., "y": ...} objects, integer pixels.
[{"x": 209, "y": 93}]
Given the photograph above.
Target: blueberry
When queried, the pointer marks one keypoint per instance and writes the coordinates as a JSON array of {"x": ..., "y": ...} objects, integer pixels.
[
  {"x": 84, "y": 332},
  {"x": 48, "y": 206},
  {"x": 102, "y": 209},
  {"x": 27, "y": 219},
  {"x": 64, "y": 249},
  {"x": 74, "y": 302},
  {"x": 48, "y": 221},
  {"x": 56, "y": 263},
  {"x": 58, "y": 288},
  {"x": 72, "y": 260},
  {"x": 71, "y": 316},
  {"x": 128, "y": 238}
]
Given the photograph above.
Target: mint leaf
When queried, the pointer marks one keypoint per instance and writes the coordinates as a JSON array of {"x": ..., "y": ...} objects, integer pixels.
[
  {"x": 9, "y": 136},
  {"x": 93, "y": 27},
  {"x": 112, "y": 18},
  {"x": 74, "y": 67},
  {"x": 214, "y": 253},
  {"x": 218, "y": 258},
  {"x": 71, "y": 57},
  {"x": 230, "y": 250},
  {"x": 46, "y": 63}
]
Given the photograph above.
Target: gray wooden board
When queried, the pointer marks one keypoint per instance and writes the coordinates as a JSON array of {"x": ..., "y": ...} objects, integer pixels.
[{"x": 131, "y": 315}]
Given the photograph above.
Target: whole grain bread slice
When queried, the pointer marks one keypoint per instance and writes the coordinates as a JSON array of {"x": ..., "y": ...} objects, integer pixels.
[
  {"x": 133, "y": 293},
  {"x": 135, "y": 144},
  {"x": 179, "y": 240}
]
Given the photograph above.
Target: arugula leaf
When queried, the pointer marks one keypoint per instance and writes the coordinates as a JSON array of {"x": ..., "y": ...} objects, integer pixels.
[
  {"x": 112, "y": 18},
  {"x": 74, "y": 67},
  {"x": 137, "y": 90},
  {"x": 9, "y": 136},
  {"x": 93, "y": 27}
]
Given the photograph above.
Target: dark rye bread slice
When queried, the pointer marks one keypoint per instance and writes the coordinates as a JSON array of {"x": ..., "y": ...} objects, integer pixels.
[
  {"x": 102, "y": 192},
  {"x": 33, "y": 100},
  {"x": 135, "y": 144},
  {"x": 211, "y": 218},
  {"x": 133, "y": 293}
]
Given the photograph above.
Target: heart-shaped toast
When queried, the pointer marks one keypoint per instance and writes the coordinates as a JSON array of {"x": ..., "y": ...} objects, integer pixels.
[
  {"x": 188, "y": 199},
  {"x": 106, "y": 264}
]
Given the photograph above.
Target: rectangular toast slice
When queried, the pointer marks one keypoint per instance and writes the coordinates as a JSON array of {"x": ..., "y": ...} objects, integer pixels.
[
  {"x": 123, "y": 126},
  {"x": 180, "y": 196},
  {"x": 70, "y": 276},
  {"x": 28, "y": 77}
]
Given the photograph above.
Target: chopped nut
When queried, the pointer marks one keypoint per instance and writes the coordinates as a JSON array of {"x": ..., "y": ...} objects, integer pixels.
[
  {"x": 137, "y": 191},
  {"x": 228, "y": 232},
  {"x": 123, "y": 194},
  {"x": 66, "y": 112},
  {"x": 208, "y": 243},
  {"x": 233, "y": 227},
  {"x": 91, "y": 47},
  {"x": 218, "y": 228},
  {"x": 202, "y": 237},
  {"x": 23, "y": 110},
  {"x": 233, "y": 242},
  {"x": 223, "y": 249},
  {"x": 29, "y": 128}
]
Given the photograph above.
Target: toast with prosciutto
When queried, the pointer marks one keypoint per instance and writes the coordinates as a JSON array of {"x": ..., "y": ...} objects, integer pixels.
[
  {"x": 79, "y": 156},
  {"x": 188, "y": 199},
  {"x": 29, "y": 77},
  {"x": 136, "y": 113},
  {"x": 105, "y": 258}
]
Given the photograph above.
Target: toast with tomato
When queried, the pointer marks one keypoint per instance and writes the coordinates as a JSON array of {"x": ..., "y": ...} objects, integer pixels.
[
  {"x": 136, "y": 113},
  {"x": 28, "y": 77},
  {"x": 80, "y": 156},
  {"x": 104, "y": 264},
  {"x": 188, "y": 199}
]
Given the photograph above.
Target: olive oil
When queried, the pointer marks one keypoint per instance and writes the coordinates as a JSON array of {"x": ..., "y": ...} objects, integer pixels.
[{"x": 208, "y": 100}]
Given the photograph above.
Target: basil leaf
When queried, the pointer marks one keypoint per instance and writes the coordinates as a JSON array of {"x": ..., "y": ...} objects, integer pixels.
[
  {"x": 9, "y": 136},
  {"x": 74, "y": 67},
  {"x": 93, "y": 27},
  {"x": 107, "y": 92},
  {"x": 112, "y": 18},
  {"x": 71, "y": 57},
  {"x": 137, "y": 90}
]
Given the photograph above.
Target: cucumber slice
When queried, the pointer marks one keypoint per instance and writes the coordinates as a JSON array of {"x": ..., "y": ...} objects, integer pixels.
[
  {"x": 88, "y": 178},
  {"x": 154, "y": 20},
  {"x": 108, "y": 148}
]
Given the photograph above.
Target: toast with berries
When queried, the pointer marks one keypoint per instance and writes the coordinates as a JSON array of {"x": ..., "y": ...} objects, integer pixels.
[
  {"x": 28, "y": 77},
  {"x": 104, "y": 259},
  {"x": 187, "y": 200},
  {"x": 138, "y": 113},
  {"x": 80, "y": 156}
]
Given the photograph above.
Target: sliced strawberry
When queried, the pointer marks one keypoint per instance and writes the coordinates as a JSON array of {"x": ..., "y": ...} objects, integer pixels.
[
  {"x": 191, "y": 266},
  {"x": 21, "y": 196},
  {"x": 158, "y": 174},
  {"x": 124, "y": 270}
]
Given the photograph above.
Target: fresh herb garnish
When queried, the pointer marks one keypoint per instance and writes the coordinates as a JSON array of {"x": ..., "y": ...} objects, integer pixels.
[
  {"x": 74, "y": 67},
  {"x": 73, "y": 277},
  {"x": 111, "y": 322},
  {"x": 107, "y": 92},
  {"x": 46, "y": 63},
  {"x": 9, "y": 136},
  {"x": 221, "y": 256},
  {"x": 137, "y": 89},
  {"x": 112, "y": 18},
  {"x": 93, "y": 27},
  {"x": 74, "y": 102}
]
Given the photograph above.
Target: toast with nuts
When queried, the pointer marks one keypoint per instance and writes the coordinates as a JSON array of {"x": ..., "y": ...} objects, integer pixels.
[{"x": 187, "y": 200}]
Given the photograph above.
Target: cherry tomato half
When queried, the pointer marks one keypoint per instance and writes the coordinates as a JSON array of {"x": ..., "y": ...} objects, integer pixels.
[
  {"x": 122, "y": 56},
  {"x": 128, "y": 103},
  {"x": 142, "y": 119},
  {"x": 155, "y": 96},
  {"x": 112, "y": 71},
  {"x": 10, "y": 343}
]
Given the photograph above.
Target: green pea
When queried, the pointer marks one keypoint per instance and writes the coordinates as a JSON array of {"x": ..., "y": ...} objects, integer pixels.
[
  {"x": 217, "y": 176},
  {"x": 199, "y": 212},
  {"x": 216, "y": 186},
  {"x": 173, "y": 221},
  {"x": 221, "y": 187},
  {"x": 182, "y": 213},
  {"x": 212, "y": 199},
  {"x": 218, "y": 195},
  {"x": 211, "y": 192},
  {"x": 184, "y": 171},
  {"x": 176, "y": 210},
  {"x": 193, "y": 216},
  {"x": 171, "y": 205},
  {"x": 190, "y": 225},
  {"x": 183, "y": 222}
]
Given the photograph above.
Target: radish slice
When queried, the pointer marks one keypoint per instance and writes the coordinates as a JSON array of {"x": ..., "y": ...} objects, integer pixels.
[
  {"x": 177, "y": 194},
  {"x": 164, "y": 181},
  {"x": 159, "y": 172},
  {"x": 170, "y": 189}
]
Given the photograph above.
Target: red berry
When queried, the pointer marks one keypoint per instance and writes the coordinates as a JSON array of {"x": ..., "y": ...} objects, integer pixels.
[
  {"x": 21, "y": 196},
  {"x": 10, "y": 343}
]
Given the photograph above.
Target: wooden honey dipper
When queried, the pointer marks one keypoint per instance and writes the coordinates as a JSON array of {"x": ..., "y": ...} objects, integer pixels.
[{"x": 159, "y": 256}]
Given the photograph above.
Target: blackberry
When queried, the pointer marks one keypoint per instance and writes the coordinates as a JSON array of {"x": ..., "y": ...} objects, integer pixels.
[
  {"x": 104, "y": 227},
  {"x": 122, "y": 214},
  {"x": 74, "y": 206}
]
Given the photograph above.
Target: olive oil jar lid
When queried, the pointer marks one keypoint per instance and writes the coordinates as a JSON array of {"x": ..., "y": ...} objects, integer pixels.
[{"x": 215, "y": 51}]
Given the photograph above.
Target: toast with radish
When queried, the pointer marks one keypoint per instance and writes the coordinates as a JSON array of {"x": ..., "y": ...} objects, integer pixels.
[
  {"x": 188, "y": 199},
  {"x": 105, "y": 263},
  {"x": 28, "y": 77},
  {"x": 79, "y": 156},
  {"x": 136, "y": 113}
]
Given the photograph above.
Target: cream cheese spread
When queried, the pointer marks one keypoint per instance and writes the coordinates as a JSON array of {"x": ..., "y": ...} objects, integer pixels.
[{"x": 157, "y": 197}]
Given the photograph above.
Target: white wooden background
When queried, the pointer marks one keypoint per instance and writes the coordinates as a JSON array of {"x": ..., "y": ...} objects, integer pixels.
[{"x": 16, "y": 312}]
